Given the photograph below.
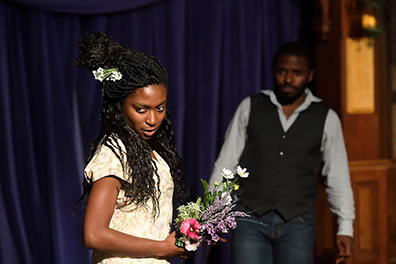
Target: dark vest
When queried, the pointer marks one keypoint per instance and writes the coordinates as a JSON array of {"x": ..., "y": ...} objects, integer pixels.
[{"x": 284, "y": 167}]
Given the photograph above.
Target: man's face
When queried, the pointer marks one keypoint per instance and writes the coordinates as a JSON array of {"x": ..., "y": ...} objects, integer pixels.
[{"x": 292, "y": 74}]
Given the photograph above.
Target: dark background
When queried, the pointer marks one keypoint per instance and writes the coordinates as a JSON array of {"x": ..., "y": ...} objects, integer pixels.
[{"x": 216, "y": 53}]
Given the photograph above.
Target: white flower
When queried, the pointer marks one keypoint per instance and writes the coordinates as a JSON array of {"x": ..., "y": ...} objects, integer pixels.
[
  {"x": 98, "y": 74},
  {"x": 242, "y": 172},
  {"x": 115, "y": 76},
  {"x": 228, "y": 198},
  {"x": 190, "y": 245},
  {"x": 227, "y": 174},
  {"x": 112, "y": 74}
]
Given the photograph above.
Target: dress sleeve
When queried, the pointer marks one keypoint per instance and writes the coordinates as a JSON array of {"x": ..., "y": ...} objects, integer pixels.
[{"x": 105, "y": 163}]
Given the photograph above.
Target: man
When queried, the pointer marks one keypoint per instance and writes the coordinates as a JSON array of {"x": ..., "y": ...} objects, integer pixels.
[{"x": 284, "y": 138}]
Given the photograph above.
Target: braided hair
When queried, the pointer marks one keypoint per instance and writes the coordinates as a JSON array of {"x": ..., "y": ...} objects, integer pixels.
[{"x": 138, "y": 70}]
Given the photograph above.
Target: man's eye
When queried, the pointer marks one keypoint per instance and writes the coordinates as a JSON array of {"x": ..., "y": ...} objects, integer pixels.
[
  {"x": 281, "y": 71},
  {"x": 297, "y": 73},
  {"x": 140, "y": 110}
]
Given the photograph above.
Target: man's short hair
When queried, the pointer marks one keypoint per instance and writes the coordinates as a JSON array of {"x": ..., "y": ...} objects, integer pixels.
[{"x": 295, "y": 49}]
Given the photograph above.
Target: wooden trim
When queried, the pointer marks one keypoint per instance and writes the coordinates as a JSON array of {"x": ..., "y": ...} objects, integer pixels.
[
  {"x": 370, "y": 225},
  {"x": 359, "y": 165}
]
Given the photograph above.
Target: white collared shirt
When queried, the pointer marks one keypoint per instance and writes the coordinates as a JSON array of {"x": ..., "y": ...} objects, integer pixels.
[{"x": 334, "y": 156}]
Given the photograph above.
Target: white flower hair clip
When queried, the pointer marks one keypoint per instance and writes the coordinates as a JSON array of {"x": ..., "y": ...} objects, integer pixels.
[{"x": 112, "y": 74}]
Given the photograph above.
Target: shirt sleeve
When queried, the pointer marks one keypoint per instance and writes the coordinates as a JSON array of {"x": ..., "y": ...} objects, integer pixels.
[
  {"x": 336, "y": 171},
  {"x": 234, "y": 142},
  {"x": 105, "y": 163}
]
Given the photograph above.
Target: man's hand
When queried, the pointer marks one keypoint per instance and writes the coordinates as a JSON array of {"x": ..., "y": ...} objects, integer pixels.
[{"x": 344, "y": 245}]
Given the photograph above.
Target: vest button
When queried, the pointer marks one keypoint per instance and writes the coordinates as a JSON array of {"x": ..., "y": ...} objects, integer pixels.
[
  {"x": 284, "y": 136},
  {"x": 281, "y": 153}
]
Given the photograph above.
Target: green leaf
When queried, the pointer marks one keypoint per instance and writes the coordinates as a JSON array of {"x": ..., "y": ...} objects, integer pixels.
[
  {"x": 210, "y": 195},
  {"x": 179, "y": 243},
  {"x": 206, "y": 193},
  {"x": 205, "y": 185}
]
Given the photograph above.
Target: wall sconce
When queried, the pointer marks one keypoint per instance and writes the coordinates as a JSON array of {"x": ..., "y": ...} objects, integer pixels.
[
  {"x": 368, "y": 21},
  {"x": 370, "y": 12}
]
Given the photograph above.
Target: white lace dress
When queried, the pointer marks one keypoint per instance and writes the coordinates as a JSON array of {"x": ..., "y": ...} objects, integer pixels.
[{"x": 130, "y": 220}]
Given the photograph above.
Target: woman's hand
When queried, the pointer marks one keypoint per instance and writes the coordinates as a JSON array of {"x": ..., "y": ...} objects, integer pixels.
[
  {"x": 221, "y": 240},
  {"x": 99, "y": 236},
  {"x": 170, "y": 248}
]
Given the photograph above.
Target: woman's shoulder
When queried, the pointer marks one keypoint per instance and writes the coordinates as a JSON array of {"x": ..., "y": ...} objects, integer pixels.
[
  {"x": 111, "y": 145},
  {"x": 107, "y": 159},
  {"x": 113, "y": 142}
]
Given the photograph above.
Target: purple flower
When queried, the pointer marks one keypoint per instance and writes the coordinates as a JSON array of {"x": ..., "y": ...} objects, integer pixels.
[
  {"x": 230, "y": 222},
  {"x": 215, "y": 237},
  {"x": 221, "y": 227},
  {"x": 209, "y": 228}
]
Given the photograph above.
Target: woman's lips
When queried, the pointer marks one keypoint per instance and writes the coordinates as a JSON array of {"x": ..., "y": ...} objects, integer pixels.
[{"x": 149, "y": 133}]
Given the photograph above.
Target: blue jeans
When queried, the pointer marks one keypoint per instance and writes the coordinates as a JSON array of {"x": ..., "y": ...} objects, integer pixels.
[{"x": 270, "y": 239}]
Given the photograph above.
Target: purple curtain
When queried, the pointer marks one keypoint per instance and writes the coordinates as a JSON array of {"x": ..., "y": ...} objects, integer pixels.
[
  {"x": 85, "y": 7},
  {"x": 216, "y": 53}
]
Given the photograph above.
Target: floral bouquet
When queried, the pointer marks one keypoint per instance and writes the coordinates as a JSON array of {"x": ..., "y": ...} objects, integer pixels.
[{"x": 204, "y": 220}]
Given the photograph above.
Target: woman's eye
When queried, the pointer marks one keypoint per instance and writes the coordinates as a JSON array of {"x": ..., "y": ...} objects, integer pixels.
[
  {"x": 140, "y": 110},
  {"x": 161, "y": 108}
]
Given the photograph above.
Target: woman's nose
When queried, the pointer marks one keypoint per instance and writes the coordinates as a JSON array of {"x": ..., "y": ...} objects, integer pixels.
[{"x": 151, "y": 118}]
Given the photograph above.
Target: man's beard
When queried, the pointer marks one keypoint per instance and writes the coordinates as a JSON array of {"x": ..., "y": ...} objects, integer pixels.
[{"x": 285, "y": 99}]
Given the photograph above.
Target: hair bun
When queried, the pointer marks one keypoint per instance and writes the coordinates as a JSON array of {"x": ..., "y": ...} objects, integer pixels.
[{"x": 98, "y": 50}]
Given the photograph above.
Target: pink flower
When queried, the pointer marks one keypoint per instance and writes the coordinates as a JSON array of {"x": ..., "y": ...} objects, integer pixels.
[{"x": 190, "y": 228}]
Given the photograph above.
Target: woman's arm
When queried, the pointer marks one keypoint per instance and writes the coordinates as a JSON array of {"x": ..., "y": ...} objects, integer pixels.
[{"x": 98, "y": 235}]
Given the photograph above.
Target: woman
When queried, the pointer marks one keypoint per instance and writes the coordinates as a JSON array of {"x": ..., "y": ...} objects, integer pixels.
[{"x": 133, "y": 166}]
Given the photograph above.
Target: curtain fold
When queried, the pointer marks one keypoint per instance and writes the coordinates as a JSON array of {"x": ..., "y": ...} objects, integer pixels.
[
  {"x": 86, "y": 7},
  {"x": 215, "y": 52}
]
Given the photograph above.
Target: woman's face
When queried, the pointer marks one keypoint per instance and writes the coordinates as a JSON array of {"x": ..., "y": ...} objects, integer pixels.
[{"x": 145, "y": 109}]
